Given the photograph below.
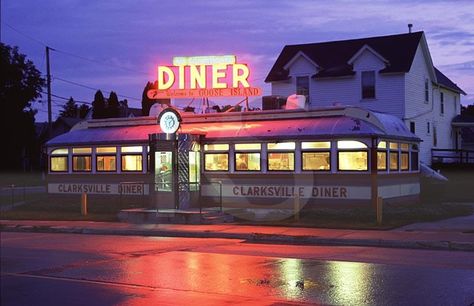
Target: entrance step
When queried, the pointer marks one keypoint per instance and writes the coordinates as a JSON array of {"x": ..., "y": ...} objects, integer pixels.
[{"x": 174, "y": 216}]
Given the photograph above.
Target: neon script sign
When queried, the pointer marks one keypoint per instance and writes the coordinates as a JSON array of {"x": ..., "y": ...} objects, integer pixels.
[{"x": 204, "y": 76}]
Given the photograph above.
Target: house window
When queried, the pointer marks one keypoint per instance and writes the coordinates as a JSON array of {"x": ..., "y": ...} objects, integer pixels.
[
  {"x": 302, "y": 87},
  {"x": 455, "y": 105},
  {"x": 441, "y": 98},
  {"x": 412, "y": 127},
  {"x": 428, "y": 127},
  {"x": 427, "y": 92},
  {"x": 368, "y": 84}
]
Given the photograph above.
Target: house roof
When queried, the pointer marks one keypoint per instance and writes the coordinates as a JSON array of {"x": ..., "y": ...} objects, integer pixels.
[
  {"x": 446, "y": 82},
  {"x": 333, "y": 56}
]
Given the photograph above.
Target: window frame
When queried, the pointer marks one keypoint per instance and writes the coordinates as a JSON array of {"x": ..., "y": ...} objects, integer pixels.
[
  {"x": 247, "y": 152},
  {"x": 122, "y": 155},
  {"x": 352, "y": 151},
  {"x": 106, "y": 155},
  {"x": 315, "y": 151},
  {"x": 308, "y": 89},
  {"x": 213, "y": 153},
  {"x": 61, "y": 156}
]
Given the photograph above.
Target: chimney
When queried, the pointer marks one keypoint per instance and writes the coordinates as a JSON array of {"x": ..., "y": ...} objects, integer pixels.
[{"x": 409, "y": 27}]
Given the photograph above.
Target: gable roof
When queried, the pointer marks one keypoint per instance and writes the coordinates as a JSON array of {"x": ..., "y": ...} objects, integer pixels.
[
  {"x": 444, "y": 81},
  {"x": 399, "y": 50}
]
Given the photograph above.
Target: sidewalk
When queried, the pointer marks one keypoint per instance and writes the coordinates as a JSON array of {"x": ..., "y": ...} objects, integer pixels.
[{"x": 437, "y": 240}]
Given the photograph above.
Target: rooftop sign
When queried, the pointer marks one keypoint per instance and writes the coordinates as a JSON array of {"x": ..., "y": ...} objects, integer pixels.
[{"x": 204, "y": 76}]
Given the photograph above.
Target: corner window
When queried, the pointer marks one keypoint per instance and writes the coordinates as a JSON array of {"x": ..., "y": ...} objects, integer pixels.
[
  {"x": 58, "y": 161},
  {"x": 368, "y": 84},
  {"x": 302, "y": 87}
]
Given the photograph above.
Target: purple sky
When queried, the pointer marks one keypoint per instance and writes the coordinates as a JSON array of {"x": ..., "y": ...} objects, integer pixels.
[{"x": 116, "y": 45}]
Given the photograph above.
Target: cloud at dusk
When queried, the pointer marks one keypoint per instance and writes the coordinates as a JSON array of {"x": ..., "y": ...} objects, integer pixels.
[{"x": 116, "y": 45}]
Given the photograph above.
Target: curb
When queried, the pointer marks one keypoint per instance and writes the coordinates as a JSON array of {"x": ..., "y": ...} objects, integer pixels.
[{"x": 252, "y": 237}]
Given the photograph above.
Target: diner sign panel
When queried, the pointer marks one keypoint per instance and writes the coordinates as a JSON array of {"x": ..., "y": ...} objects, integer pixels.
[
  {"x": 203, "y": 76},
  {"x": 95, "y": 188}
]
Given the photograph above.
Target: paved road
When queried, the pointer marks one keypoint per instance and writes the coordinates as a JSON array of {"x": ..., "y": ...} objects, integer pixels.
[{"x": 68, "y": 269}]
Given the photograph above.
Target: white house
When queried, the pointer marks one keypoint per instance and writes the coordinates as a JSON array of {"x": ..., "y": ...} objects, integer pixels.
[{"x": 392, "y": 74}]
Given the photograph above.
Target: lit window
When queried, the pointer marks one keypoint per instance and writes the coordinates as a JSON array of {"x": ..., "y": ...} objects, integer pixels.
[
  {"x": 58, "y": 164},
  {"x": 351, "y": 144},
  {"x": 368, "y": 84},
  {"x": 106, "y": 149},
  {"x": 247, "y": 161},
  {"x": 382, "y": 145},
  {"x": 132, "y": 162},
  {"x": 404, "y": 161},
  {"x": 352, "y": 161},
  {"x": 61, "y": 151},
  {"x": 281, "y": 146},
  {"x": 132, "y": 149},
  {"x": 81, "y": 163},
  {"x": 381, "y": 160},
  {"x": 316, "y": 161},
  {"x": 393, "y": 146},
  {"x": 404, "y": 146},
  {"x": 216, "y": 147},
  {"x": 216, "y": 161},
  {"x": 316, "y": 145},
  {"x": 106, "y": 163},
  {"x": 248, "y": 146},
  {"x": 393, "y": 160},
  {"x": 82, "y": 150},
  {"x": 281, "y": 161},
  {"x": 194, "y": 170}
]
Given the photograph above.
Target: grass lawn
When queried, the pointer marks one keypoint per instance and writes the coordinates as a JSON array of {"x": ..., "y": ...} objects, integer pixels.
[{"x": 21, "y": 179}]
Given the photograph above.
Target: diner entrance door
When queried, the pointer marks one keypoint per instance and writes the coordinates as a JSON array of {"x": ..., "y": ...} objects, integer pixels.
[{"x": 175, "y": 167}]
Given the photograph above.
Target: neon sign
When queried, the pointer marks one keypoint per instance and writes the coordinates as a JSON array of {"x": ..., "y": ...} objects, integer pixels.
[{"x": 204, "y": 76}]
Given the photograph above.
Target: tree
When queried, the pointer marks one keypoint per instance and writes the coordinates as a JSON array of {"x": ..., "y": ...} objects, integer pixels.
[
  {"x": 98, "y": 106},
  {"x": 113, "y": 109},
  {"x": 20, "y": 85},
  {"x": 83, "y": 110},
  {"x": 147, "y": 102},
  {"x": 70, "y": 109},
  {"x": 467, "y": 110}
]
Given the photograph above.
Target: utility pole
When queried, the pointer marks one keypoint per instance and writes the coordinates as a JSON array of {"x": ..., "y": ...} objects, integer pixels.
[{"x": 48, "y": 81}]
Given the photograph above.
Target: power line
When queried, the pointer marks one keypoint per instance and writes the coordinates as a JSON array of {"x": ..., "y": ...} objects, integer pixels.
[
  {"x": 25, "y": 35},
  {"x": 92, "y": 88}
]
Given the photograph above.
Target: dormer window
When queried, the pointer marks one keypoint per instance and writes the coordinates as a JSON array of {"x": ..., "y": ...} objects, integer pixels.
[
  {"x": 302, "y": 87},
  {"x": 368, "y": 84}
]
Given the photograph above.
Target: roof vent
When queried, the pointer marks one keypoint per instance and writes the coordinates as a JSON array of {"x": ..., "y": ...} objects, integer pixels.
[{"x": 409, "y": 27}]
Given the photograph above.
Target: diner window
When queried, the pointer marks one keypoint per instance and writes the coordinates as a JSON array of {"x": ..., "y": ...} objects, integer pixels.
[
  {"x": 106, "y": 163},
  {"x": 302, "y": 87},
  {"x": 58, "y": 161},
  {"x": 216, "y": 161},
  {"x": 404, "y": 162},
  {"x": 393, "y": 160},
  {"x": 281, "y": 161},
  {"x": 368, "y": 84},
  {"x": 58, "y": 164},
  {"x": 106, "y": 150},
  {"x": 382, "y": 160},
  {"x": 315, "y": 145},
  {"x": 81, "y": 163},
  {"x": 382, "y": 145},
  {"x": 132, "y": 162},
  {"x": 393, "y": 146},
  {"x": 248, "y": 146},
  {"x": 281, "y": 146},
  {"x": 352, "y": 155},
  {"x": 316, "y": 161},
  {"x": 247, "y": 161},
  {"x": 194, "y": 170},
  {"x": 81, "y": 150},
  {"x": 131, "y": 149},
  {"x": 216, "y": 147}
]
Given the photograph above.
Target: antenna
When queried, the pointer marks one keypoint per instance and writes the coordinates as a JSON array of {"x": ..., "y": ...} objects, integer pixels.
[{"x": 409, "y": 27}]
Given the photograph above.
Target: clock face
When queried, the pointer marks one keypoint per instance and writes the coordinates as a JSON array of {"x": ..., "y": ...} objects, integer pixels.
[{"x": 169, "y": 122}]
